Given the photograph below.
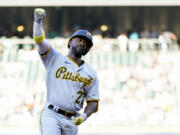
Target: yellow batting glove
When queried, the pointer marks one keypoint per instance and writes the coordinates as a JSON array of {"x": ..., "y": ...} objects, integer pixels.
[{"x": 80, "y": 119}]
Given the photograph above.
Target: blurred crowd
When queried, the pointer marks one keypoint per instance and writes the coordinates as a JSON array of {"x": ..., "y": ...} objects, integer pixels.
[
  {"x": 131, "y": 40},
  {"x": 143, "y": 94},
  {"x": 132, "y": 34},
  {"x": 137, "y": 86}
]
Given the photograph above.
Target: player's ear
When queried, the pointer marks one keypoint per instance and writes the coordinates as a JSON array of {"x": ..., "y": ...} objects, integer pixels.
[{"x": 70, "y": 41}]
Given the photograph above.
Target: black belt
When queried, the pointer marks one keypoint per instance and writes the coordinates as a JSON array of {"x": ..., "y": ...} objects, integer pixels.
[{"x": 63, "y": 112}]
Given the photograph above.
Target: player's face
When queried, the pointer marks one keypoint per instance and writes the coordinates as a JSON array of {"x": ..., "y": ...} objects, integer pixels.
[{"x": 78, "y": 46}]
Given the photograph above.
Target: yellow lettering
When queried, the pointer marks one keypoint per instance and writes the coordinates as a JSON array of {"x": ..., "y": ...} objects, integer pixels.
[
  {"x": 80, "y": 79},
  {"x": 65, "y": 76},
  {"x": 85, "y": 81},
  {"x": 89, "y": 81},
  {"x": 60, "y": 71},
  {"x": 69, "y": 76},
  {"x": 73, "y": 78},
  {"x": 77, "y": 77}
]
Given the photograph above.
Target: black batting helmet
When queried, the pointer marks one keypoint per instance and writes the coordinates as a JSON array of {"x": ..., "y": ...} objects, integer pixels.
[{"x": 83, "y": 34}]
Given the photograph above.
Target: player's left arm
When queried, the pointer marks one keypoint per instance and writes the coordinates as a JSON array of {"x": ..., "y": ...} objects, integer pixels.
[
  {"x": 92, "y": 103},
  {"x": 91, "y": 107}
]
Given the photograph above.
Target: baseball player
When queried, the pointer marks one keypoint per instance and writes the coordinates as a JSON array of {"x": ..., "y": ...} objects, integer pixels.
[{"x": 69, "y": 81}]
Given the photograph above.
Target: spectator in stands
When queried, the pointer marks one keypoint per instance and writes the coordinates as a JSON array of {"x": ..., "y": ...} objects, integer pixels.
[
  {"x": 133, "y": 41},
  {"x": 168, "y": 40},
  {"x": 145, "y": 34},
  {"x": 154, "y": 33},
  {"x": 123, "y": 42}
]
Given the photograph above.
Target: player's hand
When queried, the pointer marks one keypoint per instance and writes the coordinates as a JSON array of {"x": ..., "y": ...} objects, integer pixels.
[
  {"x": 39, "y": 14},
  {"x": 80, "y": 119}
]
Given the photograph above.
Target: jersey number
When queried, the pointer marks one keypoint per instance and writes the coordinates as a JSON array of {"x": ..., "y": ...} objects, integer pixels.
[{"x": 80, "y": 94}]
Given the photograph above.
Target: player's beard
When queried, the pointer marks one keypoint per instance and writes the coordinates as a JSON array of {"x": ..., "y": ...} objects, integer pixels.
[{"x": 78, "y": 51}]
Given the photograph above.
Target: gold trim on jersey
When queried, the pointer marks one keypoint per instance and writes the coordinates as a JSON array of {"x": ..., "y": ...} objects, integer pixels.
[
  {"x": 39, "y": 39},
  {"x": 73, "y": 61},
  {"x": 97, "y": 100},
  {"x": 89, "y": 100},
  {"x": 62, "y": 73}
]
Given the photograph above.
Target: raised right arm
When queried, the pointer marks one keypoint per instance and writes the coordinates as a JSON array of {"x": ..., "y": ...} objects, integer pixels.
[{"x": 38, "y": 31}]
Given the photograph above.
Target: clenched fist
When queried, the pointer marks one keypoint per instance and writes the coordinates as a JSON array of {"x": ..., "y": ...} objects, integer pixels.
[
  {"x": 80, "y": 119},
  {"x": 39, "y": 14}
]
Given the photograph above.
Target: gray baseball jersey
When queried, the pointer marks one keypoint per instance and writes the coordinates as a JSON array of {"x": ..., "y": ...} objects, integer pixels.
[{"x": 68, "y": 85}]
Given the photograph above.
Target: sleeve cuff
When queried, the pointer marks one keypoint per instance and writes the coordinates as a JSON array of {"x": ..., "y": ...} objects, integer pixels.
[
  {"x": 97, "y": 100},
  {"x": 46, "y": 53}
]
